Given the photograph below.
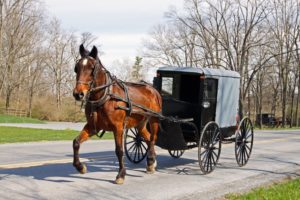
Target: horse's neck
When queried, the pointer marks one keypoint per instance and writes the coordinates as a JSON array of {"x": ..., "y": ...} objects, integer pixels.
[{"x": 101, "y": 79}]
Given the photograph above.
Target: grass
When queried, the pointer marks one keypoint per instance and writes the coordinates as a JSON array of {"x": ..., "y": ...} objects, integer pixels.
[
  {"x": 14, "y": 119},
  {"x": 278, "y": 191},
  {"x": 287, "y": 127},
  {"x": 15, "y": 134}
]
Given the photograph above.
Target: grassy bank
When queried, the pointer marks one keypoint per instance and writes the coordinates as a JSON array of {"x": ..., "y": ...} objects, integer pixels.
[
  {"x": 15, "y": 134},
  {"x": 14, "y": 119},
  {"x": 279, "y": 191}
]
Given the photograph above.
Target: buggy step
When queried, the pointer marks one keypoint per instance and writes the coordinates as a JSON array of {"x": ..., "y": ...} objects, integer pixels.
[{"x": 186, "y": 120}]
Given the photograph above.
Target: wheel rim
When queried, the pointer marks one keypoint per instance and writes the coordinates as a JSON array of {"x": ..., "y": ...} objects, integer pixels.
[
  {"x": 135, "y": 146},
  {"x": 244, "y": 142},
  {"x": 209, "y": 147},
  {"x": 176, "y": 153}
]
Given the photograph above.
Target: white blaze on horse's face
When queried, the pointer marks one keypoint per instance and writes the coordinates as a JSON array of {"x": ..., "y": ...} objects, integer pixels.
[{"x": 85, "y": 61}]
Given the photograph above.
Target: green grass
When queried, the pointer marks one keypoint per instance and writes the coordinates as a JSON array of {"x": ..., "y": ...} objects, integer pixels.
[
  {"x": 278, "y": 191},
  {"x": 15, "y": 134},
  {"x": 14, "y": 119}
]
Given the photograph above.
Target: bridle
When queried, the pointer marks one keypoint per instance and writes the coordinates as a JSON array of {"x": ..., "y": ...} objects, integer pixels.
[{"x": 109, "y": 80}]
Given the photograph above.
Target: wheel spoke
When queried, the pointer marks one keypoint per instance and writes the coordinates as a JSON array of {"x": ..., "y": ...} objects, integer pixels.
[
  {"x": 246, "y": 153},
  {"x": 142, "y": 152},
  {"x": 133, "y": 145},
  {"x": 213, "y": 159},
  {"x": 205, "y": 151},
  {"x": 248, "y": 148},
  {"x": 243, "y": 156},
  {"x": 145, "y": 148},
  {"x": 135, "y": 152},
  {"x": 248, "y": 136},
  {"x": 209, "y": 162},
  {"x": 130, "y": 142},
  {"x": 205, "y": 158},
  {"x": 239, "y": 157},
  {"x": 133, "y": 131},
  {"x": 132, "y": 152},
  {"x": 130, "y": 136}
]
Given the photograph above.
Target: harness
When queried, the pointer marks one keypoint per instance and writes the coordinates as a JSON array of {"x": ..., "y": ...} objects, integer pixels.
[{"x": 107, "y": 94}]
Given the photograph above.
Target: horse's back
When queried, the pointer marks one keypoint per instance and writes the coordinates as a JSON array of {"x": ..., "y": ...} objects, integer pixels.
[{"x": 145, "y": 94}]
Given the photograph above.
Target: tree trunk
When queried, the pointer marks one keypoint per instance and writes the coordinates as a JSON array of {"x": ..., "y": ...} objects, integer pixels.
[
  {"x": 297, "y": 102},
  {"x": 8, "y": 95},
  {"x": 30, "y": 98},
  {"x": 292, "y": 104}
]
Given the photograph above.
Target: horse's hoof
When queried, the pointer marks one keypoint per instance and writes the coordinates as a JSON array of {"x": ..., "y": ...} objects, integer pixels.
[
  {"x": 119, "y": 181},
  {"x": 150, "y": 169},
  {"x": 83, "y": 170}
]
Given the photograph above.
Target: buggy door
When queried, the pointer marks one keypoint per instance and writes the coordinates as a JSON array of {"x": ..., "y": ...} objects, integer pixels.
[{"x": 209, "y": 100}]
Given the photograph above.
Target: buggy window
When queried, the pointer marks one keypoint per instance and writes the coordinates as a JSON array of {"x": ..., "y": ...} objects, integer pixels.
[
  {"x": 167, "y": 86},
  {"x": 210, "y": 89},
  {"x": 190, "y": 88}
]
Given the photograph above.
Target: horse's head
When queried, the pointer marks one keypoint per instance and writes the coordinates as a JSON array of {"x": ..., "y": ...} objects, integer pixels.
[{"x": 84, "y": 70}]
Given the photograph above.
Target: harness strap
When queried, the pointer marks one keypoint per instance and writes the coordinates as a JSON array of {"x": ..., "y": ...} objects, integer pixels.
[{"x": 105, "y": 97}]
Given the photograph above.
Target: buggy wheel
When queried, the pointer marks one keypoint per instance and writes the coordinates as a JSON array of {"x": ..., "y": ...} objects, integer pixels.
[
  {"x": 176, "y": 153},
  {"x": 209, "y": 148},
  {"x": 135, "y": 146},
  {"x": 243, "y": 141}
]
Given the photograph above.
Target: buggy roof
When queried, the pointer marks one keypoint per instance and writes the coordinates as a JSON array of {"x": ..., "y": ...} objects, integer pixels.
[{"x": 201, "y": 71}]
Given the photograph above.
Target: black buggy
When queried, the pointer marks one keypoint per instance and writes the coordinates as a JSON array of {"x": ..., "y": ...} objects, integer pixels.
[{"x": 200, "y": 109}]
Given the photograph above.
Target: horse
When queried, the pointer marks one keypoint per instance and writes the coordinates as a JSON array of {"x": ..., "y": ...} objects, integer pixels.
[{"x": 114, "y": 105}]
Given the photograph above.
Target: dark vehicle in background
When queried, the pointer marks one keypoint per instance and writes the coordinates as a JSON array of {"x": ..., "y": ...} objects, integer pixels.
[
  {"x": 265, "y": 119},
  {"x": 269, "y": 119}
]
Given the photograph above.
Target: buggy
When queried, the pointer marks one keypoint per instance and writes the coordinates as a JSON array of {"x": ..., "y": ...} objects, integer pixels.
[{"x": 200, "y": 109}]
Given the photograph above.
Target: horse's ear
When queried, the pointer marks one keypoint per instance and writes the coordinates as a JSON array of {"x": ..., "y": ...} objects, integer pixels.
[
  {"x": 83, "y": 52},
  {"x": 94, "y": 52}
]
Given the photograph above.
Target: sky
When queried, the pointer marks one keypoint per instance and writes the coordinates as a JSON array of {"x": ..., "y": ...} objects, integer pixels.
[{"x": 120, "y": 25}]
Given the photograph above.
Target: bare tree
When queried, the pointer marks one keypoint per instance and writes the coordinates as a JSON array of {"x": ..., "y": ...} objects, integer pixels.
[
  {"x": 60, "y": 60},
  {"x": 20, "y": 30},
  {"x": 284, "y": 21}
]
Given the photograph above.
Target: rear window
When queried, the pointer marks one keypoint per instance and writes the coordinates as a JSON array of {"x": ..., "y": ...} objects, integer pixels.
[{"x": 167, "y": 86}]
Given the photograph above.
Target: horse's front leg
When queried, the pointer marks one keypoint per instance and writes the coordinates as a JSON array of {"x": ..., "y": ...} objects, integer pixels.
[
  {"x": 83, "y": 136},
  {"x": 118, "y": 134}
]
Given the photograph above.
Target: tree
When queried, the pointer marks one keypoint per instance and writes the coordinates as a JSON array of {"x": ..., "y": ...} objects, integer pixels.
[
  {"x": 284, "y": 22},
  {"x": 136, "y": 68},
  {"x": 60, "y": 60},
  {"x": 20, "y": 22}
]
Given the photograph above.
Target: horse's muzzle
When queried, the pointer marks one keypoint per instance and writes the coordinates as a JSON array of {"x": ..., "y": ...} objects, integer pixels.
[{"x": 78, "y": 95}]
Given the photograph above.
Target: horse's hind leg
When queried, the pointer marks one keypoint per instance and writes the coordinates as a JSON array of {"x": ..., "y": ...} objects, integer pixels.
[
  {"x": 151, "y": 158},
  {"x": 118, "y": 134},
  {"x": 83, "y": 136}
]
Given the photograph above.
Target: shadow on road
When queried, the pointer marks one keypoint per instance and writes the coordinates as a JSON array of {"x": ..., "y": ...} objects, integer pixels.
[
  {"x": 97, "y": 162},
  {"x": 266, "y": 159}
]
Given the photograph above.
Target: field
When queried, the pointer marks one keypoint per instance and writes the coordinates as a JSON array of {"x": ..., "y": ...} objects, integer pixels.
[{"x": 14, "y": 134}]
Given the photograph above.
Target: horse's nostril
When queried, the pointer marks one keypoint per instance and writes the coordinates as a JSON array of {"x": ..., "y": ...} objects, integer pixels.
[
  {"x": 78, "y": 95},
  {"x": 81, "y": 95}
]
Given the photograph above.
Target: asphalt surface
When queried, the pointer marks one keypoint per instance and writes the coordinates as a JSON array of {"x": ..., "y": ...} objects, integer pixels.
[{"x": 44, "y": 171}]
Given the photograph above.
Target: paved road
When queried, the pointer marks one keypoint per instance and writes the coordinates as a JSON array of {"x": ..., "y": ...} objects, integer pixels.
[{"x": 44, "y": 171}]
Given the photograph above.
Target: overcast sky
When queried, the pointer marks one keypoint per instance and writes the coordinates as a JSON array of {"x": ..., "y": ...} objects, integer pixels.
[{"x": 119, "y": 25}]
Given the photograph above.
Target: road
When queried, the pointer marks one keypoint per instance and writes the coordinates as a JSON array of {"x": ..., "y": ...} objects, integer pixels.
[{"x": 44, "y": 171}]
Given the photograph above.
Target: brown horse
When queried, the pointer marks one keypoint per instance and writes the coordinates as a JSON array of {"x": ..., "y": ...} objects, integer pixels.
[{"x": 112, "y": 105}]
